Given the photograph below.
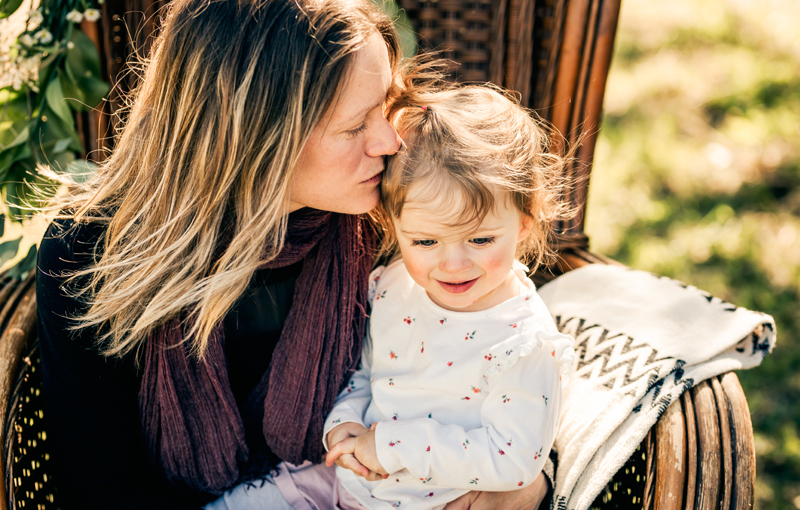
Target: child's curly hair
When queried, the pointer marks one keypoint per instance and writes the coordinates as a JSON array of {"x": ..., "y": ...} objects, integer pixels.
[{"x": 470, "y": 146}]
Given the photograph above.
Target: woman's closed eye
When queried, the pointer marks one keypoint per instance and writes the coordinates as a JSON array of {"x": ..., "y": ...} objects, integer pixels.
[
  {"x": 482, "y": 241},
  {"x": 354, "y": 132}
]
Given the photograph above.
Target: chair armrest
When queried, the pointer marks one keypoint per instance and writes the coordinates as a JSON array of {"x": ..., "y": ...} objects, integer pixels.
[{"x": 701, "y": 453}]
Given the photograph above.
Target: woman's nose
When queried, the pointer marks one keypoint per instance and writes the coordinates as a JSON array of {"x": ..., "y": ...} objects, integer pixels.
[{"x": 385, "y": 141}]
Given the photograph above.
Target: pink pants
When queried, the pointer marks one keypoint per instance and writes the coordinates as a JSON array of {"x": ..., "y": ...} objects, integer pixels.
[{"x": 313, "y": 487}]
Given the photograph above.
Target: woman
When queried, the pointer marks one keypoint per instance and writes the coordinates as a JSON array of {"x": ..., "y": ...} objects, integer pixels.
[{"x": 203, "y": 302}]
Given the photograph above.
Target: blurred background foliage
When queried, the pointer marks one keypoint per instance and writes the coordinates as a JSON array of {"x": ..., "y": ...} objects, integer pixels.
[{"x": 697, "y": 177}]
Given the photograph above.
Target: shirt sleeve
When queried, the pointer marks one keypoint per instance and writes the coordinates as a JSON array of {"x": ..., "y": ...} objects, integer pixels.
[
  {"x": 91, "y": 404},
  {"x": 519, "y": 420},
  {"x": 352, "y": 402}
]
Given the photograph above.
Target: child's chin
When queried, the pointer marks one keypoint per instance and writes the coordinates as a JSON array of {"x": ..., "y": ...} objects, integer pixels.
[{"x": 454, "y": 302}]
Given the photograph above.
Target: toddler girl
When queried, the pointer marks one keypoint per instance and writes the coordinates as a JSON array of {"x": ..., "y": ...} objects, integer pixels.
[{"x": 461, "y": 376}]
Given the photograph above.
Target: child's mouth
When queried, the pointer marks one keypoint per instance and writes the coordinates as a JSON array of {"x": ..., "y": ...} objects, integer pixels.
[{"x": 457, "y": 287}]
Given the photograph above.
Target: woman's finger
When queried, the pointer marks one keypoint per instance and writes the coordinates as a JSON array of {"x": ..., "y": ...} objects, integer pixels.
[{"x": 462, "y": 503}]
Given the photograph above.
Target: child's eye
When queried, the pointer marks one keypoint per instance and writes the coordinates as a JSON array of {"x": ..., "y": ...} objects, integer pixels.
[
  {"x": 356, "y": 131},
  {"x": 482, "y": 241},
  {"x": 427, "y": 243}
]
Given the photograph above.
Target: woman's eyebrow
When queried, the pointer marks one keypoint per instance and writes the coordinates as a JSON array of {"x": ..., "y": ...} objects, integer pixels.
[{"x": 361, "y": 113}]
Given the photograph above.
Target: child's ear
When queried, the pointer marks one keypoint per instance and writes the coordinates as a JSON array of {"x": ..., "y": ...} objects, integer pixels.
[{"x": 526, "y": 225}]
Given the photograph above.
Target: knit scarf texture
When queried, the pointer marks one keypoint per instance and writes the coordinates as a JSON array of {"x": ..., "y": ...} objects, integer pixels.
[{"x": 190, "y": 420}]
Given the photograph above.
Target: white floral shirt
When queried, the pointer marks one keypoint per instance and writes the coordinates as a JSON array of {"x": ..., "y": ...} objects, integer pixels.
[{"x": 463, "y": 400}]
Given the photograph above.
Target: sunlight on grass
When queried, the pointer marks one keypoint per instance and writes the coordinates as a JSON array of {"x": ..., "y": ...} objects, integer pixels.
[{"x": 697, "y": 177}]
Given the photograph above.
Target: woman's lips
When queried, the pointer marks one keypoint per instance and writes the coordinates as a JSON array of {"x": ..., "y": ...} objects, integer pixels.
[
  {"x": 458, "y": 287},
  {"x": 375, "y": 179}
]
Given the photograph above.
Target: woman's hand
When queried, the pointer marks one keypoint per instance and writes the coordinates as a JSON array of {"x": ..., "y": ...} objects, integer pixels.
[
  {"x": 527, "y": 498},
  {"x": 362, "y": 449}
]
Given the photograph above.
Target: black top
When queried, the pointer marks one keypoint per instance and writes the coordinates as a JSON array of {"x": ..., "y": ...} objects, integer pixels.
[{"x": 91, "y": 402}]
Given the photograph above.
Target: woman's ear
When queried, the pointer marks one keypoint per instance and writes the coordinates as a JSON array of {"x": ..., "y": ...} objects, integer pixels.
[{"x": 525, "y": 227}]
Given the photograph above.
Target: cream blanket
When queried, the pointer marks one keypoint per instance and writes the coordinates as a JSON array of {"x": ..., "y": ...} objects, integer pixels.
[{"x": 641, "y": 341}]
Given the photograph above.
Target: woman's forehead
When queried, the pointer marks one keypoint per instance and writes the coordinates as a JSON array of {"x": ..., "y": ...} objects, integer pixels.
[{"x": 366, "y": 84}]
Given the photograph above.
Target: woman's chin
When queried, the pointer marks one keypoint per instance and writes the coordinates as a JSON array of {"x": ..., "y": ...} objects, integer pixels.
[
  {"x": 363, "y": 203},
  {"x": 360, "y": 201}
]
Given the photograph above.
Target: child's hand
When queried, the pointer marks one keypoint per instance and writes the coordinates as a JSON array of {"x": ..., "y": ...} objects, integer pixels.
[
  {"x": 362, "y": 447},
  {"x": 339, "y": 434}
]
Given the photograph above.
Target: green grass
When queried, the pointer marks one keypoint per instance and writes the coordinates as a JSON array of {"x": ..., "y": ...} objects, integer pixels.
[{"x": 697, "y": 177}]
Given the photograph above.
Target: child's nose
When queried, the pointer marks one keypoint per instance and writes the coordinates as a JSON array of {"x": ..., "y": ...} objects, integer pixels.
[{"x": 454, "y": 262}]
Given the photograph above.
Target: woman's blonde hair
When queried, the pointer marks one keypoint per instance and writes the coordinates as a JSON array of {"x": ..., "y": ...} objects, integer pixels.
[
  {"x": 196, "y": 191},
  {"x": 472, "y": 146}
]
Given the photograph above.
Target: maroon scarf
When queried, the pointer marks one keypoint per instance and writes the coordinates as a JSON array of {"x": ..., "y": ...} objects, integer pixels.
[{"x": 189, "y": 417}]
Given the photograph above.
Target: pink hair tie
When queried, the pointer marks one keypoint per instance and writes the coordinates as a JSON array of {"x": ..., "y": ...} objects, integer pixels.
[{"x": 424, "y": 107}]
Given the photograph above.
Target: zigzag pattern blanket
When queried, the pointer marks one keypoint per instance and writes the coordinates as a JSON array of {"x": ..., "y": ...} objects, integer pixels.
[{"x": 641, "y": 341}]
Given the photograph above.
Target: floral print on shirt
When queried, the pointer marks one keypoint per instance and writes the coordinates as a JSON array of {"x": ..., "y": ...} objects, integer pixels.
[{"x": 399, "y": 371}]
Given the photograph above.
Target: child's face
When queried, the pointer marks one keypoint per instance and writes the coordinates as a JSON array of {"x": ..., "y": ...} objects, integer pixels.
[{"x": 461, "y": 268}]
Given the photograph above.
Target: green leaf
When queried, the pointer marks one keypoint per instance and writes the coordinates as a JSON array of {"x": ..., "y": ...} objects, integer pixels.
[
  {"x": 25, "y": 265},
  {"x": 13, "y": 106},
  {"x": 406, "y": 33},
  {"x": 82, "y": 78},
  {"x": 8, "y": 7},
  {"x": 10, "y": 157},
  {"x": 8, "y": 94},
  {"x": 63, "y": 160},
  {"x": 56, "y": 101},
  {"x": 13, "y": 133},
  {"x": 84, "y": 93},
  {"x": 8, "y": 250},
  {"x": 81, "y": 170},
  {"x": 62, "y": 145},
  {"x": 2, "y": 224},
  {"x": 83, "y": 56},
  {"x": 50, "y": 134}
]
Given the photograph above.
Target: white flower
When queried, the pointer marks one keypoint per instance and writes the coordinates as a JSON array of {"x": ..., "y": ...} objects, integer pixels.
[
  {"x": 74, "y": 16},
  {"x": 70, "y": 45},
  {"x": 17, "y": 84},
  {"x": 26, "y": 40},
  {"x": 30, "y": 66},
  {"x": 35, "y": 19},
  {"x": 101, "y": 2},
  {"x": 91, "y": 14},
  {"x": 43, "y": 36}
]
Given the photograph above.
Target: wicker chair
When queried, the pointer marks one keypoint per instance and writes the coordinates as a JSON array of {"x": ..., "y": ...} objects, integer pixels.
[{"x": 556, "y": 54}]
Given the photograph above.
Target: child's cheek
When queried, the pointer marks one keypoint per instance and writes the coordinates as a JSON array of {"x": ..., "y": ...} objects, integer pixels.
[
  {"x": 417, "y": 268},
  {"x": 497, "y": 264}
]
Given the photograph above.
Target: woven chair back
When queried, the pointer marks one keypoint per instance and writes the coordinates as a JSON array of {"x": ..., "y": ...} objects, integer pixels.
[{"x": 554, "y": 53}]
